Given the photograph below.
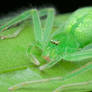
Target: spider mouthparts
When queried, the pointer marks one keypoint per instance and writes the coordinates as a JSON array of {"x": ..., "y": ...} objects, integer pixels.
[{"x": 47, "y": 58}]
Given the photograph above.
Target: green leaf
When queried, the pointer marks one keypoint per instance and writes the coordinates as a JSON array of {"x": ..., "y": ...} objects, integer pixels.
[{"x": 15, "y": 66}]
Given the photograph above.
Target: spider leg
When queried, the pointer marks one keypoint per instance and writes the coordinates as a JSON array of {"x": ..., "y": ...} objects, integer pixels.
[
  {"x": 74, "y": 73},
  {"x": 79, "y": 56},
  {"x": 50, "y": 64},
  {"x": 37, "y": 25},
  {"x": 23, "y": 84},
  {"x": 83, "y": 86},
  {"x": 85, "y": 68},
  {"x": 48, "y": 25},
  {"x": 86, "y": 53},
  {"x": 21, "y": 17},
  {"x": 43, "y": 35},
  {"x": 35, "y": 15},
  {"x": 32, "y": 57},
  {"x": 11, "y": 35},
  {"x": 38, "y": 30}
]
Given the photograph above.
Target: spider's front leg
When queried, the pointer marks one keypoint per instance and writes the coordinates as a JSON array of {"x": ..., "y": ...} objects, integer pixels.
[
  {"x": 42, "y": 35},
  {"x": 19, "y": 19}
]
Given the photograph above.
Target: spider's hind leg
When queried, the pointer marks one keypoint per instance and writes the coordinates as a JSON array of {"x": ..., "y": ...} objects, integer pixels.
[{"x": 81, "y": 86}]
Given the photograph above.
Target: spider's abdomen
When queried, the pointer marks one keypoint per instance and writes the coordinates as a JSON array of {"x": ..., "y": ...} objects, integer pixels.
[{"x": 80, "y": 25}]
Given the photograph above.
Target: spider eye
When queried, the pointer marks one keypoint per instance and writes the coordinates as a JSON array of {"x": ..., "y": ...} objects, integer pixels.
[{"x": 55, "y": 42}]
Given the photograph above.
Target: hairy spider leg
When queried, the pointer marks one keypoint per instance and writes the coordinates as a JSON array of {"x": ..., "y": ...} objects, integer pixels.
[
  {"x": 12, "y": 35},
  {"x": 83, "y": 69},
  {"x": 83, "y": 86},
  {"x": 35, "y": 15},
  {"x": 21, "y": 18},
  {"x": 79, "y": 56}
]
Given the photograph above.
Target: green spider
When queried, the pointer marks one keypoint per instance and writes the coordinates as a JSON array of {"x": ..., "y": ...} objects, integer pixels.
[{"x": 72, "y": 42}]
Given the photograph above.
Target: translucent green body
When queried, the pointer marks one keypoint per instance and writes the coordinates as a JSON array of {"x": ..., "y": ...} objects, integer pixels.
[
  {"x": 76, "y": 34},
  {"x": 72, "y": 43}
]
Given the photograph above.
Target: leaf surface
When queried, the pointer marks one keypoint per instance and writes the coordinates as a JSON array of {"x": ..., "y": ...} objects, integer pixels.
[{"x": 15, "y": 66}]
